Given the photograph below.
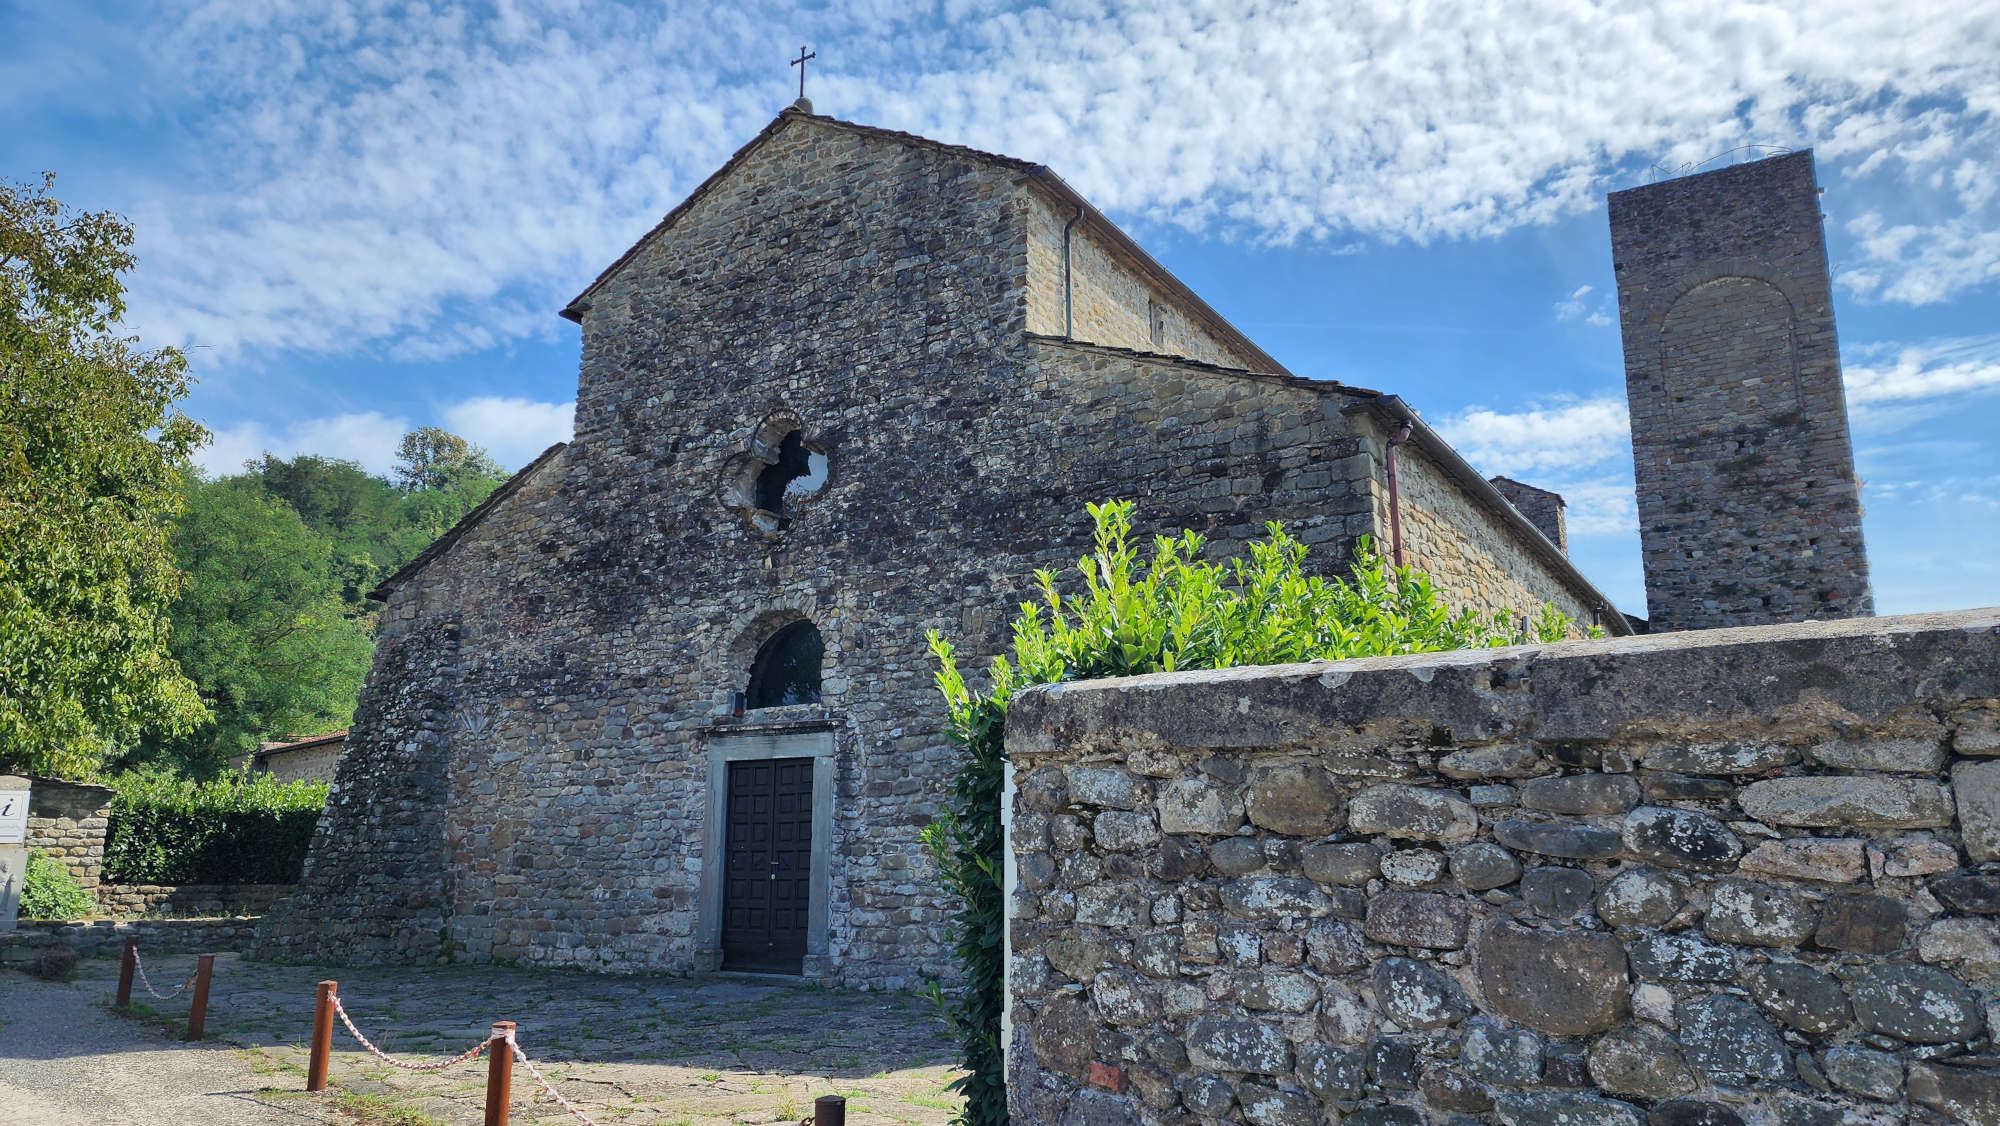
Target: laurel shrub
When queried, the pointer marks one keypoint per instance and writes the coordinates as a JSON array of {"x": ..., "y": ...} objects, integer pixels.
[
  {"x": 49, "y": 892},
  {"x": 1134, "y": 615}
]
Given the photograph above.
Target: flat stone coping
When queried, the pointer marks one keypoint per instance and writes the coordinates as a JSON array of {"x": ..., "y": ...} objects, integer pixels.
[{"x": 1750, "y": 681}]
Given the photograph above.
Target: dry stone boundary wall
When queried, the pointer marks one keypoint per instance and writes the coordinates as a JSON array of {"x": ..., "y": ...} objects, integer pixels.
[{"x": 1745, "y": 876}]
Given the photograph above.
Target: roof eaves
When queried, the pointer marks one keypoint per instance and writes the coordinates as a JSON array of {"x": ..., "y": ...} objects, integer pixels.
[
  {"x": 1323, "y": 386},
  {"x": 579, "y": 304},
  {"x": 465, "y": 524},
  {"x": 1392, "y": 409},
  {"x": 300, "y": 744}
]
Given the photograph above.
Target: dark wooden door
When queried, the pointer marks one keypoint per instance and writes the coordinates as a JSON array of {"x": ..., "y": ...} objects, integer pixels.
[{"x": 767, "y": 865}]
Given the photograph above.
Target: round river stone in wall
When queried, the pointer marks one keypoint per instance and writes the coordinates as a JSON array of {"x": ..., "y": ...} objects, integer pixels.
[
  {"x": 1297, "y": 799},
  {"x": 1350, "y": 864},
  {"x": 1693, "y": 1112},
  {"x": 1758, "y": 915},
  {"x": 1396, "y": 810},
  {"x": 1730, "y": 1042},
  {"x": 1234, "y": 856},
  {"x": 1564, "y": 983},
  {"x": 1218, "y": 1043},
  {"x": 1413, "y": 867},
  {"x": 1558, "y": 838},
  {"x": 1914, "y": 1003},
  {"x": 1639, "y": 1060},
  {"x": 1545, "y": 1108},
  {"x": 1418, "y": 995},
  {"x": 1800, "y": 996},
  {"x": 1557, "y": 893},
  {"x": 1483, "y": 866},
  {"x": 1639, "y": 898},
  {"x": 1581, "y": 793},
  {"x": 1681, "y": 838}
]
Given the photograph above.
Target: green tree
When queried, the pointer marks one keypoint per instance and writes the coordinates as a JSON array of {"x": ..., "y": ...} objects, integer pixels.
[
  {"x": 261, "y": 626},
  {"x": 361, "y": 515},
  {"x": 91, "y": 447},
  {"x": 444, "y": 477},
  {"x": 430, "y": 457},
  {"x": 1172, "y": 612}
]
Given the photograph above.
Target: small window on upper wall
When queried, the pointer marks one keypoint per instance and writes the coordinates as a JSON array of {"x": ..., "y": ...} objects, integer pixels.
[
  {"x": 799, "y": 471},
  {"x": 1156, "y": 318},
  {"x": 787, "y": 668},
  {"x": 777, "y": 472}
]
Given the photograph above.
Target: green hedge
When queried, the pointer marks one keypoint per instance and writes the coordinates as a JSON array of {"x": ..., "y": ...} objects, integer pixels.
[{"x": 238, "y": 829}]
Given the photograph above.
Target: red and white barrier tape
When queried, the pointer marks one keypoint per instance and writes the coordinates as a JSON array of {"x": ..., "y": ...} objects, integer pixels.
[
  {"x": 141, "y": 967},
  {"x": 471, "y": 1053},
  {"x": 522, "y": 1057}
]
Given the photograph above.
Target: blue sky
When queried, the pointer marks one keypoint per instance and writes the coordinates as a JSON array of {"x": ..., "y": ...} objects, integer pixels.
[{"x": 360, "y": 217}]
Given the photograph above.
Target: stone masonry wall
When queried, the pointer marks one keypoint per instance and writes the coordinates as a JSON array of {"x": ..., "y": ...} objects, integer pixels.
[
  {"x": 1745, "y": 876},
  {"x": 1110, "y": 302},
  {"x": 69, "y": 822},
  {"x": 313, "y": 764},
  {"x": 1543, "y": 508},
  {"x": 1476, "y": 559},
  {"x": 187, "y": 901},
  {"x": 105, "y": 938},
  {"x": 376, "y": 883},
  {"x": 526, "y": 776},
  {"x": 1749, "y": 510}
]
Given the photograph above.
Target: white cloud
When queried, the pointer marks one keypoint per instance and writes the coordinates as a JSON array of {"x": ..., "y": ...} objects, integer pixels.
[
  {"x": 1921, "y": 264},
  {"x": 1573, "y": 306},
  {"x": 437, "y": 179},
  {"x": 1577, "y": 306},
  {"x": 515, "y": 431},
  {"x": 1564, "y": 436},
  {"x": 369, "y": 437},
  {"x": 1601, "y": 507},
  {"x": 1889, "y": 373}
]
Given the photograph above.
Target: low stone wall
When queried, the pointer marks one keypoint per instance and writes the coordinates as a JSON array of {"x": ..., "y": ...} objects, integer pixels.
[
  {"x": 131, "y": 901},
  {"x": 1741, "y": 876},
  {"x": 68, "y": 821},
  {"x": 106, "y": 938}
]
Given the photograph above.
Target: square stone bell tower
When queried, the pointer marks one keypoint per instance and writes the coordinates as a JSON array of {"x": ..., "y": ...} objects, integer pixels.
[{"x": 1749, "y": 510}]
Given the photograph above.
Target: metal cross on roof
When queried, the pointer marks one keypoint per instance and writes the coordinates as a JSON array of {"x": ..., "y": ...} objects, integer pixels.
[{"x": 800, "y": 62}]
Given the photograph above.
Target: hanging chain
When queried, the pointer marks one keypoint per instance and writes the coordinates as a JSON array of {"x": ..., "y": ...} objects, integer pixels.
[
  {"x": 546, "y": 1085},
  {"x": 141, "y": 967},
  {"x": 470, "y": 1053}
]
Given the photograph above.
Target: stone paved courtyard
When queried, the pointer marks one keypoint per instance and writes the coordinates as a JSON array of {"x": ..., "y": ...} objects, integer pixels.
[{"x": 639, "y": 1050}]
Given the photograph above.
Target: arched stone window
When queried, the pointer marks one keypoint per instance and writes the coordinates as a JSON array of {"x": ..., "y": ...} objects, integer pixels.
[{"x": 787, "y": 668}]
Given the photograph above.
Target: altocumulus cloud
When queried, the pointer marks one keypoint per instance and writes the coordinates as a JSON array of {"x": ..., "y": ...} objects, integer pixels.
[{"x": 374, "y": 175}]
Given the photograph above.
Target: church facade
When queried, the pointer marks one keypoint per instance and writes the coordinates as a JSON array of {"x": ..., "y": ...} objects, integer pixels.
[{"x": 664, "y": 701}]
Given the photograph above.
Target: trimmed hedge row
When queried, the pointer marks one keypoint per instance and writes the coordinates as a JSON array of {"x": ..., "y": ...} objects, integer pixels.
[{"x": 238, "y": 829}]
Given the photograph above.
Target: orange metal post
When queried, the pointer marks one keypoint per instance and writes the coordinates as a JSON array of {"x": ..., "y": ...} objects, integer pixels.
[
  {"x": 125, "y": 968},
  {"x": 499, "y": 1074},
  {"x": 198, "y": 1009},
  {"x": 322, "y": 1042}
]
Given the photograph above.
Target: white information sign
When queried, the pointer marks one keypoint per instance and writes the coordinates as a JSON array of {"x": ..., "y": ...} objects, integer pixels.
[{"x": 13, "y": 816}]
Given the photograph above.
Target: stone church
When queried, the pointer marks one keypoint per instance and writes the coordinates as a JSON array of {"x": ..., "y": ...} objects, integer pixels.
[{"x": 664, "y": 703}]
